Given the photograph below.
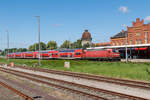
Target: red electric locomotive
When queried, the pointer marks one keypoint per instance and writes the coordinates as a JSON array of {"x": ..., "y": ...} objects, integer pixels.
[{"x": 101, "y": 54}]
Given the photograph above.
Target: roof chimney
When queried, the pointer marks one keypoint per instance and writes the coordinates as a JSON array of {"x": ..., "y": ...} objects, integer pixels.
[
  {"x": 137, "y": 19},
  {"x": 122, "y": 30}
]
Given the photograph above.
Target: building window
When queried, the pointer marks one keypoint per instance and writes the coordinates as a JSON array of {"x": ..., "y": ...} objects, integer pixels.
[
  {"x": 140, "y": 41},
  {"x": 121, "y": 42},
  {"x": 146, "y": 39},
  {"x": 117, "y": 43},
  {"x": 138, "y": 34},
  {"x": 130, "y": 42},
  {"x": 130, "y": 36},
  {"x": 136, "y": 41},
  {"x": 113, "y": 43}
]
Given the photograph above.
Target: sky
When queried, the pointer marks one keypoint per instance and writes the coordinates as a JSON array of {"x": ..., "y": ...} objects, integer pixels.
[{"x": 67, "y": 19}]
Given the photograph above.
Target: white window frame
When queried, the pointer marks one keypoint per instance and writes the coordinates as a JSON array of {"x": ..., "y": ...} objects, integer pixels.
[{"x": 146, "y": 38}]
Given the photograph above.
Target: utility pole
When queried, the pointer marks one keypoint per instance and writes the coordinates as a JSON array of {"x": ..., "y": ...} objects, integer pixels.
[
  {"x": 126, "y": 49},
  {"x": 7, "y": 45},
  {"x": 38, "y": 17},
  {"x": 126, "y": 43}
]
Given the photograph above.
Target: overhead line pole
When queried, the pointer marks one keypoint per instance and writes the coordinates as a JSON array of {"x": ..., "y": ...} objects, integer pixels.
[
  {"x": 126, "y": 49},
  {"x": 7, "y": 45},
  {"x": 38, "y": 17},
  {"x": 126, "y": 43}
]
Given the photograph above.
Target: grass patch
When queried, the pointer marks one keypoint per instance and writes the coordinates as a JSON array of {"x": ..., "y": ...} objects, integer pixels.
[{"x": 137, "y": 71}]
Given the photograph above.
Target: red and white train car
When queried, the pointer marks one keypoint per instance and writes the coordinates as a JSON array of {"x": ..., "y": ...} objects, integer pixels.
[{"x": 98, "y": 54}]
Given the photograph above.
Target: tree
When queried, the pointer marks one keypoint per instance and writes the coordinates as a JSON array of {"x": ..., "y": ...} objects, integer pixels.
[
  {"x": 42, "y": 46},
  {"x": 66, "y": 44},
  {"x": 86, "y": 46},
  {"x": 94, "y": 45},
  {"x": 21, "y": 50},
  {"x": 35, "y": 47},
  {"x": 1, "y": 52},
  {"x": 31, "y": 48},
  {"x": 52, "y": 45},
  {"x": 76, "y": 44}
]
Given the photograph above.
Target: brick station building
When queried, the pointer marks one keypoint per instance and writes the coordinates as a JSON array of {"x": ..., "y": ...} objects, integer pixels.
[{"x": 139, "y": 33}]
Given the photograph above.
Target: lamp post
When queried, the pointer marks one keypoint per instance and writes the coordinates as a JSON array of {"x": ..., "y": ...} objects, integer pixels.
[{"x": 38, "y": 17}]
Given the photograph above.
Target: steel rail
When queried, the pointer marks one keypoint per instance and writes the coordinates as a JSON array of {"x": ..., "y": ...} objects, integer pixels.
[
  {"x": 76, "y": 84},
  {"x": 16, "y": 91},
  {"x": 58, "y": 86},
  {"x": 130, "y": 83}
]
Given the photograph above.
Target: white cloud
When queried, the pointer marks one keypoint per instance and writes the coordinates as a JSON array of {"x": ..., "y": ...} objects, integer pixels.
[
  {"x": 124, "y": 9},
  {"x": 147, "y": 18}
]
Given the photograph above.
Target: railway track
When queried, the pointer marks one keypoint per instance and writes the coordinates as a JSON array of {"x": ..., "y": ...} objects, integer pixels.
[
  {"x": 90, "y": 92},
  {"x": 129, "y": 83},
  {"x": 26, "y": 97}
]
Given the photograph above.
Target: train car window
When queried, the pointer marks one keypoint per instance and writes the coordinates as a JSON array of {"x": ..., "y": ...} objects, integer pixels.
[
  {"x": 78, "y": 53},
  {"x": 96, "y": 49},
  {"x": 115, "y": 51},
  {"x": 66, "y": 50},
  {"x": 17, "y": 52},
  {"x": 44, "y": 51}
]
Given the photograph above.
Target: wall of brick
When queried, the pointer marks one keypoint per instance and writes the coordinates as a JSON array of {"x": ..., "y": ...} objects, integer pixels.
[
  {"x": 136, "y": 34},
  {"x": 117, "y": 41}
]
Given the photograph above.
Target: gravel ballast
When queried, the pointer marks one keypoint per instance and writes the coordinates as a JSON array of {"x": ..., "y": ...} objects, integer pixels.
[{"x": 103, "y": 85}]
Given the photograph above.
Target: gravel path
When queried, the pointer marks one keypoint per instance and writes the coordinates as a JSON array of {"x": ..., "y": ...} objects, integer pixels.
[
  {"x": 108, "y": 86},
  {"x": 37, "y": 89},
  {"x": 6, "y": 94},
  {"x": 32, "y": 90}
]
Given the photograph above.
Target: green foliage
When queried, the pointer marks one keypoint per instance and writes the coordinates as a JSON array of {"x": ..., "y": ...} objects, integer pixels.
[
  {"x": 76, "y": 44},
  {"x": 51, "y": 45},
  {"x": 35, "y": 47},
  {"x": 138, "y": 71},
  {"x": 11, "y": 50},
  {"x": 66, "y": 44},
  {"x": 93, "y": 45},
  {"x": 21, "y": 50},
  {"x": 148, "y": 70}
]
